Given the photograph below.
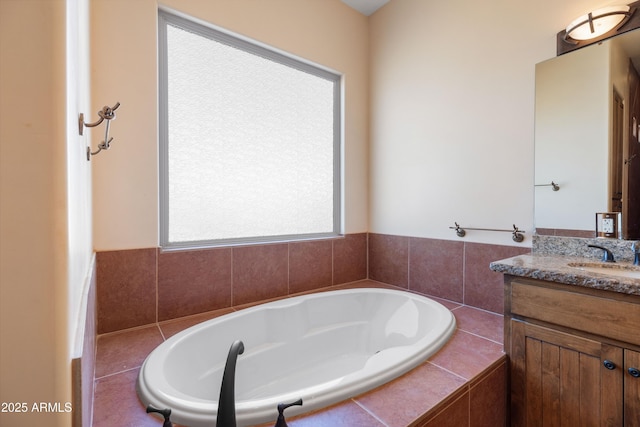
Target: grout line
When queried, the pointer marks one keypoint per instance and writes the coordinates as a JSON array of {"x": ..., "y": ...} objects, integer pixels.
[
  {"x": 449, "y": 371},
  {"x": 119, "y": 331},
  {"x": 332, "y": 263},
  {"x": 116, "y": 373},
  {"x": 161, "y": 333},
  {"x": 409, "y": 263},
  {"x": 366, "y": 261},
  {"x": 364, "y": 408},
  {"x": 480, "y": 336},
  {"x": 464, "y": 271},
  {"x": 288, "y": 268},
  {"x": 231, "y": 276},
  {"x": 475, "y": 308}
]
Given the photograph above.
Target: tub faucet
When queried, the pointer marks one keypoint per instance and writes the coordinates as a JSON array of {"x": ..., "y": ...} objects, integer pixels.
[
  {"x": 166, "y": 413},
  {"x": 607, "y": 256},
  {"x": 281, "y": 422},
  {"x": 635, "y": 247},
  {"x": 227, "y": 401}
]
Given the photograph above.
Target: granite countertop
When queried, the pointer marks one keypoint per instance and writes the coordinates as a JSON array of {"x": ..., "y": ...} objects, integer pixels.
[{"x": 555, "y": 268}]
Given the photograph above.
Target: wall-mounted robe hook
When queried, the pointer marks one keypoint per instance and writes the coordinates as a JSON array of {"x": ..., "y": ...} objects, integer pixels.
[{"x": 107, "y": 113}]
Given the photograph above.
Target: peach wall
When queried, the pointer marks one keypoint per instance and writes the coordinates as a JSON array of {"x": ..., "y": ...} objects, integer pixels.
[
  {"x": 45, "y": 210},
  {"x": 125, "y": 70},
  {"x": 452, "y": 98},
  {"x": 32, "y": 149}
]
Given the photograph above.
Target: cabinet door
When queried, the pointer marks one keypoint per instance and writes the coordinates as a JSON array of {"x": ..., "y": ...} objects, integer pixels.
[
  {"x": 558, "y": 379},
  {"x": 631, "y": 388}
]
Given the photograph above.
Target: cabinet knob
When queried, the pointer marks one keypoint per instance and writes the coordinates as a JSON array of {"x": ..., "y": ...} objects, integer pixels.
[
  {"x": 609, "y": 365},
  {"x": 634, "y": 372}
]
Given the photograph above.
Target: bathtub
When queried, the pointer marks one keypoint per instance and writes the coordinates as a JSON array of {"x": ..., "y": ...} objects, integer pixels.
[{"x": 323, "y": 348}]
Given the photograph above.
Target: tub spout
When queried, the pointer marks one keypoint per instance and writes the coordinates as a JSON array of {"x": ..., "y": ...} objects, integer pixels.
[{"x": 227, "y": 401}]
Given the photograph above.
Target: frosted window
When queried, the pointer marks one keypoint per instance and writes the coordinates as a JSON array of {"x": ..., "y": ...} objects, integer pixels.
[{"x": 249, "y": 144}]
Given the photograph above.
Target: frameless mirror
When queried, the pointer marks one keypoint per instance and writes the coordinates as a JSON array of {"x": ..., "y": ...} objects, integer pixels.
[{"x": 587, "y": 138}]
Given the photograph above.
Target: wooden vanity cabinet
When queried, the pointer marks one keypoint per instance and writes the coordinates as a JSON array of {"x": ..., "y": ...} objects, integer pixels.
[{"x": 572, "y": 355}]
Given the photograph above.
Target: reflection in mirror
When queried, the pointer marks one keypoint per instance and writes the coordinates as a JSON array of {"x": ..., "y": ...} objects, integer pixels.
[{"x": 587, "y": 138}]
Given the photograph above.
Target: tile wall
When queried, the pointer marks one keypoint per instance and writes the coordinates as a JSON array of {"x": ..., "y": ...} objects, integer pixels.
[
  {"x": 454, "y": 270},
  {"x": 143, "y": 286}
]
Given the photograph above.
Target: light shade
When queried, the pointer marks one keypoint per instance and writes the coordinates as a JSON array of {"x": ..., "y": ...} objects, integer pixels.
[{"x": 597, "y": 23}]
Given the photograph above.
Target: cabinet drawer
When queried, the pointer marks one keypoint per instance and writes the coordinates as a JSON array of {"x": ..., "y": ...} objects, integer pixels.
[{"x": 601, "y": 316}]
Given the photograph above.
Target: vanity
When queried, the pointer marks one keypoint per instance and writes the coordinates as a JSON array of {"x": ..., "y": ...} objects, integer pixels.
[{"x": 572, "y": 335}]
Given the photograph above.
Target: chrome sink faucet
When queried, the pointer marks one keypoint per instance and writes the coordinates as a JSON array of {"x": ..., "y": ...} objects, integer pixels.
[
  {"x": 607, "y": 256},
  {"x": 635, "y": 247}
]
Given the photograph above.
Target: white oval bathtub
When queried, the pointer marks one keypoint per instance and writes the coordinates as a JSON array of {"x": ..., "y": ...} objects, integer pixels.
[{"x": 323, "y": 348}]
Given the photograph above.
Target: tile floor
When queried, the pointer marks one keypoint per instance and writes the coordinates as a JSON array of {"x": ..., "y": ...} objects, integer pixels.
[{"x": 451, "y": 388}]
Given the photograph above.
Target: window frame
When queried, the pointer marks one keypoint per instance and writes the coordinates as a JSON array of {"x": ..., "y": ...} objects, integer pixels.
[{"x": 205, "y": 29}]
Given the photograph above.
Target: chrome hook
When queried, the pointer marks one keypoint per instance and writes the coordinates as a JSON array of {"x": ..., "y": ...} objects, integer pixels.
[{"x": 107, "y": 113}]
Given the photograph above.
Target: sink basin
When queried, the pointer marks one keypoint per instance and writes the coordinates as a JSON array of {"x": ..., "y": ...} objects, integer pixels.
[{"x": 613, "y": 269}]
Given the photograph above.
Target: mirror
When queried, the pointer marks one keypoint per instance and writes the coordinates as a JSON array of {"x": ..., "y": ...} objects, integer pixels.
[{"x": 587, "y": 138}]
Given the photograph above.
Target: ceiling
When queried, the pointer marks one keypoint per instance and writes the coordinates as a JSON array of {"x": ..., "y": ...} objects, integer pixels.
[{"x": 366, "y": 7}]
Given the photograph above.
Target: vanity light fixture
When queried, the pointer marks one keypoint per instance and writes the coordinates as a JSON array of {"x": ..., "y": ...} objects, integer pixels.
[
  {"x": 596, "y": 23},
  {"x": 599, "y": 25}
]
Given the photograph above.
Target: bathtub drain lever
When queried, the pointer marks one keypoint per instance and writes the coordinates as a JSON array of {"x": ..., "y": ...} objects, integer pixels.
[{"x": 281, "y": 407}]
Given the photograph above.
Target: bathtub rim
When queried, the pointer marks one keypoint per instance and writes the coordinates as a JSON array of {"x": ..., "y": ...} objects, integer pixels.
[{"x": 201, "y": 412}]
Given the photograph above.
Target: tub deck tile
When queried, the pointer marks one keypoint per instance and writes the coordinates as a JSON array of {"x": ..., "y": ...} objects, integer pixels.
[
  {"x": 404, "y": 399},
  {"x": 121, "y": 351},
  {"x": 479, "y": 322},
  {"x": 467, "y": 355},
  {"x": 117, "y": 404}
]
